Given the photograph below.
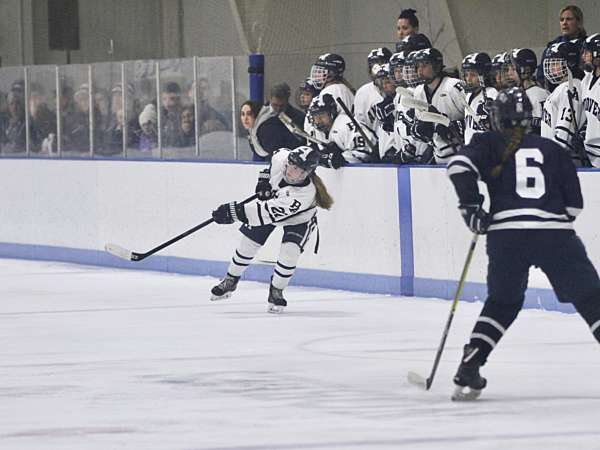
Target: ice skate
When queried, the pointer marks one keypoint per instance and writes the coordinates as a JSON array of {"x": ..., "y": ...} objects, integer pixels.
[
  {"x": 469, "y": 383},
  {"x": 276, "y": 300},
  {"x": 225, "y": 288}
]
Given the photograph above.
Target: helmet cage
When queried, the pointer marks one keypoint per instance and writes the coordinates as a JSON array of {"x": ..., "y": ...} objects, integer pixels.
[
  {"x": 555, "y": 70},
  {"x": 319, "y": 76}
]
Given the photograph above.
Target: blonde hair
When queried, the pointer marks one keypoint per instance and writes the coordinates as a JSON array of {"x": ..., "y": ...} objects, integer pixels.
[
  {"x": 577, "y": 12},
  {"x": 324, "y": 199}
]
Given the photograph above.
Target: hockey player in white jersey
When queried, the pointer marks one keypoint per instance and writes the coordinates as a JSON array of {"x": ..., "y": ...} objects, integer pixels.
[
  {"x": 445, "y": 95},
  {"x": 368, "y": 94},
  {"x": 383, "y": 125},
  {"x": 327, "y": 74},
  {"x": 475, "y": 72},
  {"x": 563, "y": 112},
  {"x": 591, "y": 97},
  {"x": 344, "y": 143},
  {"x": 522, "y": 64},
  {"x": 289, "y": 193}
]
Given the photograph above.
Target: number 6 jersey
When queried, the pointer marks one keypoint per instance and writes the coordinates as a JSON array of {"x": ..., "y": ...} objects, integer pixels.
[{"x": 538, "y": 187}]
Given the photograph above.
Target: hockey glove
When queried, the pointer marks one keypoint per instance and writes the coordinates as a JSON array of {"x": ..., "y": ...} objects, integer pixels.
[
  {"x": 423, "y": 131},
  {"x": 453, "y": 133},
  {"x": 331, "y": 156},
  {"x": 263, "y": 187},
  {"x": 384, "y": 111},
  {"x": 228, "y": 213},
  {"x": 475, "y": 217},
  {"x": 408, "y": 154}
]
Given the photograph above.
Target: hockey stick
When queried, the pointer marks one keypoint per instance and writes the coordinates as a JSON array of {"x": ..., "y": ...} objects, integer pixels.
[
  {"x": 414, "y": 377},
  {"x": 585, "y": 162},
  {"x": 123, "y": 253},
  {"x": 404, "y": 92},
  {"x": 294, "y": 129},
  {"x": 411, "y": 102},
  {"x": 427, "y": 116},
  {"x": 372, "y": 146}
]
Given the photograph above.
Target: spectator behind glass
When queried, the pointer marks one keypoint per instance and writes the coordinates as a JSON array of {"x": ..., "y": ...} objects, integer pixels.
[
  {"x": 148, "y": 139},
  {"x": 42, "y": 121},
  {"x": 187, "y": 127},
  {"x": 571, "y": 29},
  {"x": 171, "y": 112},
  {"x": 271, "y": 133},
  {"x": 13, "y": 135},
  {"x": 76, "y": 126},
  {"x": 407, "y": 24},
  {"x": 209, "y": 119}
]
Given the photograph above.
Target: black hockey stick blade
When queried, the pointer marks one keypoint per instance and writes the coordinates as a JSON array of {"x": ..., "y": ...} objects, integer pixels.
[{"x": 418, "y": 380}]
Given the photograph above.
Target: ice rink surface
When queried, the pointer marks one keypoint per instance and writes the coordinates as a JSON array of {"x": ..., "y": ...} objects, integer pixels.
[{"x": 97, "y": 358}]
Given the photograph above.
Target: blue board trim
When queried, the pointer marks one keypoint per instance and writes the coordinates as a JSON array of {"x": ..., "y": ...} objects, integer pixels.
[
  {"x": 407, "y": 260},
  {"x": 359, "y": 282}
]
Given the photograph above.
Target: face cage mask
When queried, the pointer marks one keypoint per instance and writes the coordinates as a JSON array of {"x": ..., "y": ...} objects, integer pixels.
[
  {"x": 595, "y": 61},
  {"x": 555, "y": 70},
  {"x": 409, "y": 75},
  {"x": 398, "y": 81},
  {"x": 319, "y": 76}
]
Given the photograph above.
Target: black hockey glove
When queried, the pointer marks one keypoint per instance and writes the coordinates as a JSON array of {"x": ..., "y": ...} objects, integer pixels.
[
  {"x": 331, "y": 156},
  {"x": 228, "y": 213},
  {"x": 384, "y": 111},
  {"x": 475, "y": 217},
  {"x": 453, "y": 133},
  {"x": 483, "y": 111},
  {"x": 408, "y": 154},
  {"x": 263, "y": 187},
  {"x": 423, "y": 131}
]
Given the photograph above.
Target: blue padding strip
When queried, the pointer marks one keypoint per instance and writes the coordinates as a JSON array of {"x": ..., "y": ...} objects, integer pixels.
[
  {"x": 360, "y": 282},
  {"x": 407, "y": 259}
]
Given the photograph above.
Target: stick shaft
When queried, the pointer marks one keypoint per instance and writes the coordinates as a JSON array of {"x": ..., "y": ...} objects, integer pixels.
[
  {"x": 139, "y": 256},
  {"x": 459, "y": 288}
]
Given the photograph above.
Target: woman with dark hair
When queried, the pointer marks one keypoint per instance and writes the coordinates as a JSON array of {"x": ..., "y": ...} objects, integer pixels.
[{"x": 407, "y": 23}]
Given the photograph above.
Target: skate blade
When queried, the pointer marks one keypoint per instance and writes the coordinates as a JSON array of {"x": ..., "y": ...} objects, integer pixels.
[
  {"x": 417, "y": 380},
  {"x": 465, "y": 394},
  {"x": 275, "y": 309},
  {"x": 215, "y": 298}
]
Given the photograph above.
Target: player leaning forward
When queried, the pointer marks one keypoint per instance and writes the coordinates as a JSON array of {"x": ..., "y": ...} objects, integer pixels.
[
  {"x": 289, "y": 193},
  {"x": 534, "y": 198}
]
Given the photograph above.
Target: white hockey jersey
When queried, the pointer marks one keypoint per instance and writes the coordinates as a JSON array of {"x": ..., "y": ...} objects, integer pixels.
[
  {"x": 472, "y": 123},
  {"x": 290, "y": 205},
  {"x": 339, "y": 90},
  {"x": 402, "y": 136},
  {"x": 589, "y": 98},
  {"x": 557, "y": 116},
  {"x": 537, "y": 97},
  {"x": 345, "y": 135},
  {"x": 365, "y": 99},
  {"x": 449, "y": 99}
]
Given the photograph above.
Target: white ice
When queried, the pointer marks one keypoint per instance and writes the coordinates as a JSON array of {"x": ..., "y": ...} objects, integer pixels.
[{"x": 96, "y": 358}]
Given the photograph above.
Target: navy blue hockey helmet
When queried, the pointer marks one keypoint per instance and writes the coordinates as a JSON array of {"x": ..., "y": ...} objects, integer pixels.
[
  {"x": 380, "y": 55},
  {"x": 397, "y": 61},
  {"x": 558, "y": 58},
  {"x": 430, "y": 56},
  {"x": 327, "y": 67},
  {"x": 413, "y": 42},
  {"x": 322, "y": 104},
  {"x": 592, "y": 46},
  {"x": 524, "y": 61},
  {"x": 510, "y": 109},
  {"x": 304, "y": 157},
  {"x": 481, "y": 64}
]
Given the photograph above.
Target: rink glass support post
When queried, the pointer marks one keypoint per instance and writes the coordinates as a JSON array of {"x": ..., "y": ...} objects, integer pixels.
[{"x": 256, "y": 72}]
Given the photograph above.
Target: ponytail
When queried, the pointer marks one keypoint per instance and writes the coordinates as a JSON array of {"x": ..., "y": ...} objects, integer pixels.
[
  {"x": 511, "y": 148},
  {"x": 324, "y": 200}
]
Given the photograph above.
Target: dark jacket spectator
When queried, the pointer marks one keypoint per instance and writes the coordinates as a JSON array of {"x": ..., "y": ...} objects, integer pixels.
[{"x": 12, "y": 129}]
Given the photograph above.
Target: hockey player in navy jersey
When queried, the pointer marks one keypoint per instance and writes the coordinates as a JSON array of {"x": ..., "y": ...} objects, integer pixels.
[
  {"x": 289, "y": 193},
  {"x": 534, "y": 198}
]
